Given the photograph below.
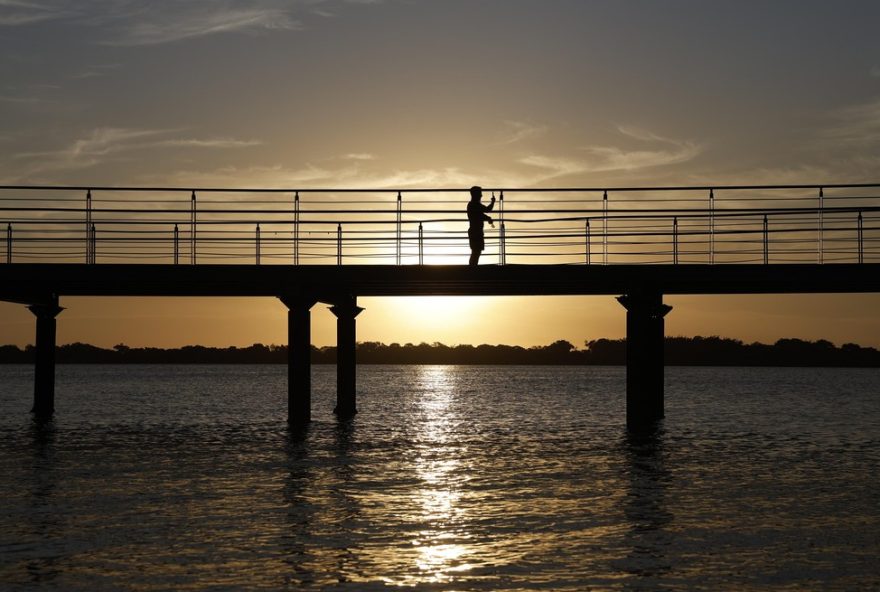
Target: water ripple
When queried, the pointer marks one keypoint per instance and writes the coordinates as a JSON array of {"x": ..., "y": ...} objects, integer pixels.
[{"x": 451, "y": 478}]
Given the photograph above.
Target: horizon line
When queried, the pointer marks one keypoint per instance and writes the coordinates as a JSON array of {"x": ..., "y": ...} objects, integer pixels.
[{"x": 438, "y": 343}]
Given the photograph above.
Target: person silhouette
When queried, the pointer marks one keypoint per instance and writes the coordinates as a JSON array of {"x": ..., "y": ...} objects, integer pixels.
[{"x": 476, "y": 213}]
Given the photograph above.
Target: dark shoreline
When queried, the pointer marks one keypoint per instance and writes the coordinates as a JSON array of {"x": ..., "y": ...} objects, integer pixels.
[
  {"x": 329, "y": 364},
  {"x": 679, "y": 351}
]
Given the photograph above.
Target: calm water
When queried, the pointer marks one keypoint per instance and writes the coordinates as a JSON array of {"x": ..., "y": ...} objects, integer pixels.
[{"x": 450, "y": 478}]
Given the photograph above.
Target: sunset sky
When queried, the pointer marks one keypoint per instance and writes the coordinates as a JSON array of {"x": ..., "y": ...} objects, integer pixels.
[{"x": 419, "y": 93}]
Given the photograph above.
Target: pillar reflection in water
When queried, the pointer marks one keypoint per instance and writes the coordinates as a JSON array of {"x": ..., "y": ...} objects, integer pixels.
[
  {"x": 324, "y": 521},
  {"x": 45, "y": 519},
  {"x": 646, "y": 512},
  {"x": 297, "y": 493}
]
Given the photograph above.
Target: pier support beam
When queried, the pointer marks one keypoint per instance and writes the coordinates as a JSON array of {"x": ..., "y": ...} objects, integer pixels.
[
  {"x": 346, "y": 310},
  {"x": 299, "y": 357},
  {"x": 44, "y": 366},
  {"x": 644, "y": 358}
]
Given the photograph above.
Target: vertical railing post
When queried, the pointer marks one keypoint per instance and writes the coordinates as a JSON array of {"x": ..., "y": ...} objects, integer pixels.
[
  {"x": 9, "y": 242},
  {"x": 500, "y": 255},
  {"x": 421, "y": 246},
  {"x": 93, "y": 240},
  {"x": 766, "y": 242},
  {"x": 339, "y": 244},
  {"x": 605, "y": 228},
  {"x": 176, "y": 245},
  {"x": 587, "y": 241},
  {"x": 399, "y": 218},
  {"x": 257, "y": 243},
  {"x": 711, "y": 227},
  {"x": 675, "y": 240},
  {"x": 502, "y": 240},
  {"x": 860, "y": 239},
  {"x": 821, "y": 245},
  {"x": 88, "y": 226},
  {"x": 192, "y": 227},
  {"x": 502, "y": 230},
  {"x": 296, "y": 228}
]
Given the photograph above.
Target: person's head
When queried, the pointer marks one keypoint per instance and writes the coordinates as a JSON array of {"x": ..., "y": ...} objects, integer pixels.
[{"x": 476, "y": 192}]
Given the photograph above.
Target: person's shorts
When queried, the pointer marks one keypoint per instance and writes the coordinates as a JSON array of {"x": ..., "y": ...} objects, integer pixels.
[{"x": 476, "y": 240}]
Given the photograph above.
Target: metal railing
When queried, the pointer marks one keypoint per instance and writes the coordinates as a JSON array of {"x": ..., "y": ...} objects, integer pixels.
[{"x": 766, "y": 224}]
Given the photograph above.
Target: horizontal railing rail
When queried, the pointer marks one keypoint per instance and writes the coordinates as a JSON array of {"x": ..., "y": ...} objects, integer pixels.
[{"x": 762, "y": 224}]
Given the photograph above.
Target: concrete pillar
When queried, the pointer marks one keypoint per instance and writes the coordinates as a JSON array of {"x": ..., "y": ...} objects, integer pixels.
[
  {"x": 346, "y": 310},
  {"x": 44, "y": 366},
  {"x": 644, "y": 358},
  {"x": 299, "y": 358}
]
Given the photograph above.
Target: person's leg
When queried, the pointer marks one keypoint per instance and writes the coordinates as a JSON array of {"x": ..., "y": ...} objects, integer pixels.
[{"x": 476, "y": 245}]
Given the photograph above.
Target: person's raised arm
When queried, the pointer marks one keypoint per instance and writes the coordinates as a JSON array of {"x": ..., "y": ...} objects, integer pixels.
[{"x": 489, "y": 209}]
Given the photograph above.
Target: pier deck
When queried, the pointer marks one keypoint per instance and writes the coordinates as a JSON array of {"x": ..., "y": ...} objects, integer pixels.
[{"x": 33, "y": 283}]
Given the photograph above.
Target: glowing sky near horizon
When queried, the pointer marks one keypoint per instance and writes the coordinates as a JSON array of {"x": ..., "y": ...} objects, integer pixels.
[{"x": 420, "y": 93}]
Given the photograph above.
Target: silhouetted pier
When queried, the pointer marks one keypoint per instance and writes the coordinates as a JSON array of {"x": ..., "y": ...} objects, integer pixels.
[{"x": 643, "y": 248}]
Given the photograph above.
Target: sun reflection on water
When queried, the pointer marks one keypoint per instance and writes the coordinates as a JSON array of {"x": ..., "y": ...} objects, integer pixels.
[{"x": 438, "y": 466}]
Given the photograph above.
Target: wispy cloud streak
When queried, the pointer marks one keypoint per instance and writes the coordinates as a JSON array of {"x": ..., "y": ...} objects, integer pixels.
[
  {"x": 24, "y": 100},
  {"x": 518, "y": 131},
  {"x": 350, "y": 175},
  {"x": 159, "y": 26},
  {"x": 95, "y": 71},
  {"x": 104, "y": 145},
  {"x": 209, "y": 143},
  {"x": 15, "y": 13},
  {"x": 663, "y": 152},
  {"x": 857, "y": 125},
  {"x": 136, "y": 23}
]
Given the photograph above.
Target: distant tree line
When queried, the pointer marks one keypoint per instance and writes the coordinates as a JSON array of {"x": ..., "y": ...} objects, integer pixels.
[{"x": 679, "y": 351}]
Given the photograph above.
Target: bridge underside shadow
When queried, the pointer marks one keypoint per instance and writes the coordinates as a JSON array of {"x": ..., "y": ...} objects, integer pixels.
[{"x": 640, "y": 289}]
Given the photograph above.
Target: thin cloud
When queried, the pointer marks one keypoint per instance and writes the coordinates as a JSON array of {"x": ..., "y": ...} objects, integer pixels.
[
  {"x": 643, "y": 135},
  {"x": 556, "y": 166},
  {"x": 358, "y": 156},
  {"x": 797, "y": 174},
  {"x": 444, "y": 177},
  {"x": 518, "y": 131},
  {"x": 99, "y": 142},
  {"x": 857, "y": 125},
  {"x": 264, "y": 176},
  {"x": 349, "y": 176},
  {"x": 323, "y": 13},
  {"x": 162, "y": 26},
  {"x": 25, "y": 100},
  {"x": 875, "y": 72},
  {"x": 134, "y": 23},
  {"x": 209, "y": 143},
  {"x": 16, "y": 13},
  {"x": 87, "y": 74},
  {"x": 108, "y": 144},
  {"x": 96, "y": 71},
  {"x": 664, "y": 152},
  {"x": 616, "y": 159},
  {"x": 101, "y": 145}
]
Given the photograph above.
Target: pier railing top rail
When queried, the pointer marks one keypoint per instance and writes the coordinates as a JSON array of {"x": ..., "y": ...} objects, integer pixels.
[{"x": 800, "y": 223}]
